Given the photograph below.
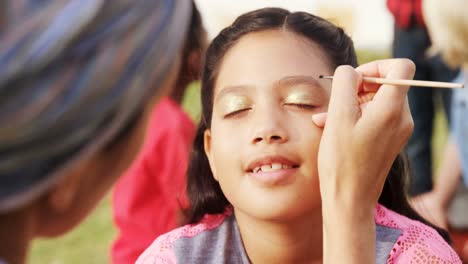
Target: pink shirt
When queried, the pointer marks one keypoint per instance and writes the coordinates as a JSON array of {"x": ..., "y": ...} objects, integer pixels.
[
  {"x": 148, "y": 197},
  {"x": 216, "y": 239}
]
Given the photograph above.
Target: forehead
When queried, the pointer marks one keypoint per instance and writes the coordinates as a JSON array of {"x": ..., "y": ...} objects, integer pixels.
[{"x": 263, "y": 58}]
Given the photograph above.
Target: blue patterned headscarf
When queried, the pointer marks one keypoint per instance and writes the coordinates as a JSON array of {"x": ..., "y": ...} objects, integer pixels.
[{"x": 73, "y": 74}]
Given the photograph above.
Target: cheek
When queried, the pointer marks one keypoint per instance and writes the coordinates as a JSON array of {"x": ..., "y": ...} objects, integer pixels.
[
  {"x": 315, "y": 135},
  {"x": 304, "y": 128},
  {"x": 308, "y": 139},
  {"x": 225, "y": 144}
]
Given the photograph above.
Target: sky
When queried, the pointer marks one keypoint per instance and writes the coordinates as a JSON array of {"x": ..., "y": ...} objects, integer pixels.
[{"x": 367, "y": 21}]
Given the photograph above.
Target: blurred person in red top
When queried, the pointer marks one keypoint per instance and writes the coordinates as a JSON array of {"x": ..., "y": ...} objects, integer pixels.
[
  {"x": 148, "y": 199},
  {"x": 411, "y": 40}
]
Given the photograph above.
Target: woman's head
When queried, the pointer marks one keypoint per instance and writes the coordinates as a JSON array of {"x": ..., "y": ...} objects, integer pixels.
[
  {"x": 447, "y": 23},
  {"x": 260, "y": 88},
  {"x": 77, "y": 82}
]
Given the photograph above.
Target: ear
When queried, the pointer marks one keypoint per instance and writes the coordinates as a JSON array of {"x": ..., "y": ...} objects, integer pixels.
[
  {"x": 64, "y": 205},
  {"x": 60, "y": 197},
  {"x": 208, "y": 151}
]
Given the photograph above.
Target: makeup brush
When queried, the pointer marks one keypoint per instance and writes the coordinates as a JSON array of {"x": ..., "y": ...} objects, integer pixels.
[{"x": 405, "y": 82}]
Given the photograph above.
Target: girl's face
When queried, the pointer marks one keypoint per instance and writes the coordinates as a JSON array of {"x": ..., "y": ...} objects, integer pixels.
[{"x": 262, "y": 145}]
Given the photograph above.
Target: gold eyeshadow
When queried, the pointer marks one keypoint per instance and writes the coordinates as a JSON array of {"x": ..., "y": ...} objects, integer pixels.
[
  {"x": 235, "y": 103},
  {"x": 300, "y": 97}
]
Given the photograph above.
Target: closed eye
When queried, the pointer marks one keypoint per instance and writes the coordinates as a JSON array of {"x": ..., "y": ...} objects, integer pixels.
[
  {"x": 302, "y": 106},
  {"x": 237, "y": 113}
]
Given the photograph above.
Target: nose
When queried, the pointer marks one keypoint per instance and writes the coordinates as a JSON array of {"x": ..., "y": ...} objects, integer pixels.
[
  {"x": 269, "y": 130},
  {"x": 269, "y": 138}
]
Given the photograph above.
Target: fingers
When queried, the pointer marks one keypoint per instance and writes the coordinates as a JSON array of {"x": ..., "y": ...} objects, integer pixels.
[
  {"x": 390, "y": 104},
  {"x": 344, "y": 104},
  {"x": 372, "y": 106},
  {"x": 363, "y": 98},
  {"x": 320, "y": 119},
  {"x": 390, "y": 69}
]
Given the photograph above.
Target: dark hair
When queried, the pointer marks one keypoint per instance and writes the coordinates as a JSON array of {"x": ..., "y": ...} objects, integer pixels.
[
  {"x": 204, "y": 192},
  {"x": 196, "y": 41},
  {"x": 196, "y": 38}
]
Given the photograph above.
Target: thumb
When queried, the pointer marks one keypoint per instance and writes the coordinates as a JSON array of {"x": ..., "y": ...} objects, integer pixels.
[{"x": 344, "y": 103}]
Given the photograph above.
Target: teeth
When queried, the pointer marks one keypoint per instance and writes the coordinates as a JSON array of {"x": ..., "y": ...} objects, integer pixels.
[
  {"x": 271, "y": 167},
  {"x": 266, "y": 168},
  {"x": 276, "y": 166}
]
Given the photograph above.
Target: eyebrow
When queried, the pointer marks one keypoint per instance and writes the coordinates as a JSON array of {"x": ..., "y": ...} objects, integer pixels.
[
  {"x": 284, "y": 82},
  {"x": 232, "y": 89},
  {"x": 289, "y": 81}
]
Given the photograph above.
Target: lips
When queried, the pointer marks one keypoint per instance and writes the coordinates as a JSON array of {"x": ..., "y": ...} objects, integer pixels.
[
  {"x": 271, "y": 163},
  {"x": 273, "y": 171}
]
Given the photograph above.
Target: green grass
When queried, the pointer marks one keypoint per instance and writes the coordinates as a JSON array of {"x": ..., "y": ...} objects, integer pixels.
[
  {"x": 90, "y": 242},
  {"x": 191, "y": 102}
]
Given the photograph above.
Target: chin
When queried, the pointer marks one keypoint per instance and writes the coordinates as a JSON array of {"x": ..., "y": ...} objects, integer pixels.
[{"x": 279, "y": 208}]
